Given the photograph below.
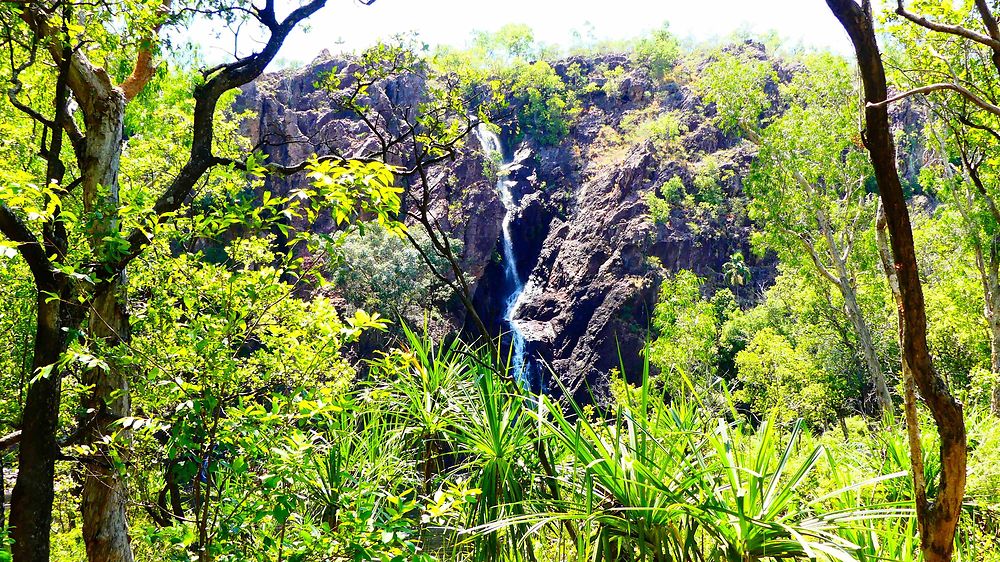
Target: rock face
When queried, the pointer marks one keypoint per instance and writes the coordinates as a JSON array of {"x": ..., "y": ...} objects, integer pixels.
[
  {"x": 294, "y": 119},
  {"x": 587, "y": 305},
  {"x": 588, "y": 246}
]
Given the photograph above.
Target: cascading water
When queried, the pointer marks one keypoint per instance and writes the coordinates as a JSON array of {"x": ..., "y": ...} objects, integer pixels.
[{"x": 513, "y": 285}]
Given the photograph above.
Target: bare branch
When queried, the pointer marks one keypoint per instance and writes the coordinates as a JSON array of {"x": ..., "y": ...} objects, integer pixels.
[
  {"x": 947, "y": 28},
  {"x": 966, "y": 93},
  {"x": 9, "y": 440}
]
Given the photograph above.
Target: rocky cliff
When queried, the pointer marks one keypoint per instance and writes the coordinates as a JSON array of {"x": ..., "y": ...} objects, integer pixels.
[{"x": 586, "y": 238}]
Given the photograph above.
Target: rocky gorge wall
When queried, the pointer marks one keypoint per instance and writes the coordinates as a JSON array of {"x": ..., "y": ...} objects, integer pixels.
[{"x": 588, "y": 247}]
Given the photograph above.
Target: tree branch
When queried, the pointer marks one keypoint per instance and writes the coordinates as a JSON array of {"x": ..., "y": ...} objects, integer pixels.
[
  {"x": 200, "y": 160},
  {"x": 144, "y": 68},
  {"x": 9, "y": 440},
  {"x": 947, "y": 28},
  {"x": 28, "y": 245},
  {"x": 965, "y": 92}
]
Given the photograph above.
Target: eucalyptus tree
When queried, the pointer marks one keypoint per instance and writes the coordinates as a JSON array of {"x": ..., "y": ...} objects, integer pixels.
[
  {"x": 807, "y": 185},
  {"x": 951, "y": 54},
  {"x": 937, "y": 519},
  {"x": 86, "y": 64}
]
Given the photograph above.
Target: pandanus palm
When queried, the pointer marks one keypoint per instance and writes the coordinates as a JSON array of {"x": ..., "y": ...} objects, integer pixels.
[{"x": 666, "y": 483}]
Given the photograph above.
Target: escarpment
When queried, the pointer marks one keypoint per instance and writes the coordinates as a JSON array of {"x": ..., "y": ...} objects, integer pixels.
[{"x": 643, "y": 184}]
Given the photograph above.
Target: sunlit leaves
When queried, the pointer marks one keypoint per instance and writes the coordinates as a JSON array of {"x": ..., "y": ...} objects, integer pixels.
[
  {"x": 686, "y": 326},
  {"x": 349, "y": 189},
  {"x": 737, "y": 84},
  {"x": 36, "y": 203}
]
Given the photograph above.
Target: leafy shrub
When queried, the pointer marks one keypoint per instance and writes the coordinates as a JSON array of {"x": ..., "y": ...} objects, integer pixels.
[
  {"x": 736, "y": 85},
  {"x": 686, "y": 326},
  {"x": 707, "y": 188},
  {"x": 659, "y": 207},
  {"x": 547, "y": 107},
  {"x": 512, "y": 64},
  {"x": 777, "y": 376},
  {"x": 672, "y": 193},
  {"x": 613, "y": 81},
  {"x": 377, "y": 269},
  {"x": 511, "y": 42},
  {"x": 652, "y": 124},
  {"x": 658, "y": 52}
]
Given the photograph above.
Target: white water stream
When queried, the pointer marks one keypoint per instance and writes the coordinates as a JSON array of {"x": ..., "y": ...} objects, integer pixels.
[{"x": 513, "y": 285}]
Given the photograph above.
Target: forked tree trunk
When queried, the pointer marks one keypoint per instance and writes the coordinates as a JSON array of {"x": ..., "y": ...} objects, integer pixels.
[
  {"x": 98, "y": 153},
  {"x": 938, "y": 519}
]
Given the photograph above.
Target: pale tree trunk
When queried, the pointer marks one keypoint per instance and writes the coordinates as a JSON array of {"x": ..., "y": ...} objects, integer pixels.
[
  {"x": 845, "y": 283},
  {"x": 105, "y": 528},
  {"x": 841, "y": 278},
  {"x": 97, "y": 153},
  {"x": 988, "y": 269},
  {"x": 867, "y": 346},
  {"x": 991, "y": 303}
]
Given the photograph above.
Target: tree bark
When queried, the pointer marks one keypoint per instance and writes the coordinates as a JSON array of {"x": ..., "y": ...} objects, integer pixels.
[
  {"x": 938, "y": 519},
  {"x": 31, "y": 500},
  {"x": 845, "y": 283},
  {"x": 58, "y": 316},
  {"x": 913, "y": 441},
  {"x": 105, "y": 529},
  {"x": 867, "y": 346},
  {"x": 991, "y": 290}
]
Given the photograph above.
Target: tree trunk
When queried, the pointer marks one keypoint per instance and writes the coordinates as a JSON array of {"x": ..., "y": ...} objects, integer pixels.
[
  {"x": 938, "y": 519},
  {"x": 994, "y": 321},
  {"x": 916, "y": 449},
  {"x": 845, "y": 283},
  {"x": 58, "y": 319},
  {"x": 867, "y": 347},
  {"x": 105, "y": 529},
  {"x": 31, "y": 501}
]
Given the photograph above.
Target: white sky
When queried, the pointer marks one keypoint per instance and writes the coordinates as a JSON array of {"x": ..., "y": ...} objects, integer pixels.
[{"x": 808, "y": 22}]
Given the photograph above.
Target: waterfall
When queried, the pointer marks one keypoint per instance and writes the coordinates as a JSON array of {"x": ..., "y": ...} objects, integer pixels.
[{"x": 513, "y": 285}]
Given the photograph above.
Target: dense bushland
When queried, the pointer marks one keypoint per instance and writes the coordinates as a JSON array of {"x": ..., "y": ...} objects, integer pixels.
[{"x": 192, "y": 371}]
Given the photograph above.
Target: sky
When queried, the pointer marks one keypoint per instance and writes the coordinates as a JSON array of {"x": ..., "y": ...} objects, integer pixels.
[{"x": 349, "y": 24}]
